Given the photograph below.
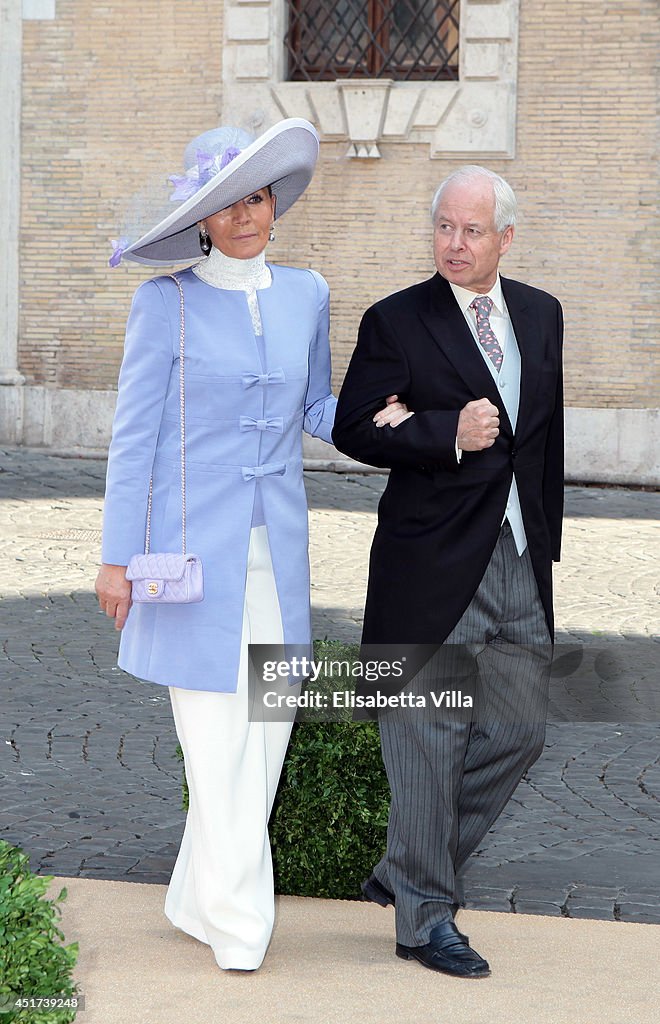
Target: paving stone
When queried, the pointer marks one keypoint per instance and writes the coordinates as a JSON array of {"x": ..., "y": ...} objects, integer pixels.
[
  {"x": 594, "y": 892},
  {"x": 648, "y": 899},
  {"x": 489, "y": 899},
  {"x": 639, "y": 912},
  {"x": 114, "y": 863},
  {"x": 538, "y": 907},
  {"x": 534, "y": 894},
  {"x": 604, "y": 910},
  {"x": 499, "y": 906}
]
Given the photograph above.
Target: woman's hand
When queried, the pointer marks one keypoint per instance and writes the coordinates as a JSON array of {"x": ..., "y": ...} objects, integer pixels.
[
  {"x": 114, "y": 593},
  {"x": 395, "y": 412}
]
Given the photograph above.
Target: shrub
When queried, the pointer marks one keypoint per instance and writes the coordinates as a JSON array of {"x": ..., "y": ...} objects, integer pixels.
[
  {"x": 33, "y": 962},
  {"x": 329, "y": 822}
]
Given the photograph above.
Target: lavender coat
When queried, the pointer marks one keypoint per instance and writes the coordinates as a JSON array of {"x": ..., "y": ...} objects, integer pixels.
[{"x": 243, "y": 430}]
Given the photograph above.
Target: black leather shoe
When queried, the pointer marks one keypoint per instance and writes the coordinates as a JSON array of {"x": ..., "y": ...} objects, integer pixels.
[
  {"x": 375, "y": 892},
  {"x": 447, "y": 951}
]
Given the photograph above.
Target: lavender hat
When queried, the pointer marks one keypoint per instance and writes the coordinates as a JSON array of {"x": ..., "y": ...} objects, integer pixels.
[{"x": 223, "y": 166}]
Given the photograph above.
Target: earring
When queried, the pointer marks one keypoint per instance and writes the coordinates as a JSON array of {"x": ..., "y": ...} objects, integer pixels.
[
  {"x": 271, "y": 233},
  {"x": 205, "y": 243}
]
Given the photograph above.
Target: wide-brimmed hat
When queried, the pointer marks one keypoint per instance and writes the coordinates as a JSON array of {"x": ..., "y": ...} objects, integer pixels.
[{"x": 223, "y": 166}]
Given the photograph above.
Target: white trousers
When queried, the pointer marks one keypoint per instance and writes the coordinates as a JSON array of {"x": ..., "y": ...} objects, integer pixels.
[{"x": 221, "y": 890}]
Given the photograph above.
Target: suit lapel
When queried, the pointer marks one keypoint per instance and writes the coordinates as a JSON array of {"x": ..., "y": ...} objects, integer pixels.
[
  {"x": 527, "y": 332},
  {"x": 446, "y": 324}
]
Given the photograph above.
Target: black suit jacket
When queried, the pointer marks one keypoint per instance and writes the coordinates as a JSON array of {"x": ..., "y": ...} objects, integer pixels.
[{"x": 438, "y": 520}]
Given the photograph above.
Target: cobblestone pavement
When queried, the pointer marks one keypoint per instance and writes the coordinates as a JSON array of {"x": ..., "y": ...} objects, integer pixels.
[{"x": 90, "y": 783}]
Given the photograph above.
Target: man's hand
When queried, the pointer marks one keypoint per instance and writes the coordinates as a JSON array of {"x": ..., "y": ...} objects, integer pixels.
[
  {"x": 114, "y": 593},
  {"x": 395, "y": 412},
  {"x": 478, "y": 426}
]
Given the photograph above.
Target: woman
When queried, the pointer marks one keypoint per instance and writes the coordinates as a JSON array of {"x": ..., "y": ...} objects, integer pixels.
[{"x": 257, "y": 372}]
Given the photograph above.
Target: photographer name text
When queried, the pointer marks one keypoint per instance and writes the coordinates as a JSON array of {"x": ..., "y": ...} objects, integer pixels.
[{"x": 349, "y": 699}]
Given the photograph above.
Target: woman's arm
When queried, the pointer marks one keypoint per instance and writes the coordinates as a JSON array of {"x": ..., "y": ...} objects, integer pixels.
[
  {"x": 143, "y": 382},
  {"x": 320, "y": 403}
]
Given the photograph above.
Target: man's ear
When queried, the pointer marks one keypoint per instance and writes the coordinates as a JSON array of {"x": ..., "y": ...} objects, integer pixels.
[{"x": 507, "y": 239}]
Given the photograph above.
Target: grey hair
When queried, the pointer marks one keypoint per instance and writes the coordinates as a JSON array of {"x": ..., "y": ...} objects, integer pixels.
[{"x": 506, "y": 206}]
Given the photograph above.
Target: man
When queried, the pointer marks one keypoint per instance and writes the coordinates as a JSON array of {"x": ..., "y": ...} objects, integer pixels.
[{"x": 469, "y": 524}]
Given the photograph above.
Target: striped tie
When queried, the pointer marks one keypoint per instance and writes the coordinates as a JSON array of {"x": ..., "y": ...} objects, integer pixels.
[{"x": 482, "y": 306}]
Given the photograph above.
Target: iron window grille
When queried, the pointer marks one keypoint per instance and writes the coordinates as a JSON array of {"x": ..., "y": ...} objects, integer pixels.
[{"x": 399, "y": 39}]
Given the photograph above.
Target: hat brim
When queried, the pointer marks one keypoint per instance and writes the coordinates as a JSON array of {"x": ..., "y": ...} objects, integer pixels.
[{"x": 283, "y": 157}]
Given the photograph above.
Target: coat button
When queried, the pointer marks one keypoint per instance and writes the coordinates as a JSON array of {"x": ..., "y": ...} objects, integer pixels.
[{"x": 514, "y": 452}]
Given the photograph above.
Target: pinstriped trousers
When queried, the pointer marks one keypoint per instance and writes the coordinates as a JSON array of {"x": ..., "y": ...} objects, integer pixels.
[{"x": 451, "y": 773}]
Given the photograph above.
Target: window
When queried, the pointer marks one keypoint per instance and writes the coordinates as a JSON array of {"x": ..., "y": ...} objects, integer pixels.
[{"x": 399, "y": 39}]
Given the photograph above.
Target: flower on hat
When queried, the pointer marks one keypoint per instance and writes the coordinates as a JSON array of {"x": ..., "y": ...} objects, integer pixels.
[
  {"x": 207, "y": 166},
  {"x": 118, "y": 247}
]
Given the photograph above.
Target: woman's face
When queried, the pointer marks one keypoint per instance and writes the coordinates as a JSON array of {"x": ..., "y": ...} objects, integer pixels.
[{"x": 242, "y": 230}]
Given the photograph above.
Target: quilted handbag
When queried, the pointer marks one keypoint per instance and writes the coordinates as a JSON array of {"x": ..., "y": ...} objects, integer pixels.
[
  {"x": 166, "y": 578},
  {"x": 169, "y": 577}
]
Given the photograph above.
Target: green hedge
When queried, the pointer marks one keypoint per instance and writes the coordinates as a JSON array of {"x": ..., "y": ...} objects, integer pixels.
[
  {"x": 33, "y": 961},
  {"x": 329, "y": 823}
]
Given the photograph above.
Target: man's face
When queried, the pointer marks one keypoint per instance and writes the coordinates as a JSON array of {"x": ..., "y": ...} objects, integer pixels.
[{"x": 466, "y": 246}]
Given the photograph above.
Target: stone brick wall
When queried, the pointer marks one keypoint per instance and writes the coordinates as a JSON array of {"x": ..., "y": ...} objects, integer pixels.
[{"x": 111, "y": 94}]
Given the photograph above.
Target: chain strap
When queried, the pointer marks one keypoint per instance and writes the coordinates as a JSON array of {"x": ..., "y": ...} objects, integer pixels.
[{"x": 182, "y": 420}]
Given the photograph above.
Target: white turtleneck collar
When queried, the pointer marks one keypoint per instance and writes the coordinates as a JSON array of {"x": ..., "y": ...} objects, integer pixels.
[{"x": 222, "y": 271}]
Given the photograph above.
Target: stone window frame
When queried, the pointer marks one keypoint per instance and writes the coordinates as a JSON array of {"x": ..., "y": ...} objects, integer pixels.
[{"x": 469, "y": 118}]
